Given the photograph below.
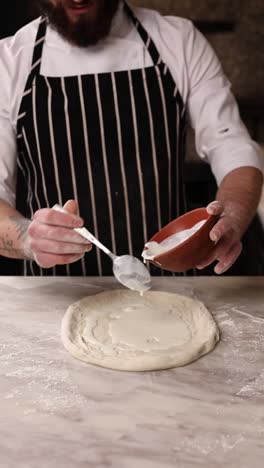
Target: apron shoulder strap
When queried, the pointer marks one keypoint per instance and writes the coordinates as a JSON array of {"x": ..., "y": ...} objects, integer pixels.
[
  {"x": 34, "y": 71},
  {"x": 152, "y": 49},
  {"x": 38, "y": 48}
]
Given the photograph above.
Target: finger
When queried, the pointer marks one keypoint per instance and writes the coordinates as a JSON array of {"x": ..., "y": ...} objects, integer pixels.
[
  {"x": 219, "y": 251},
  {"x": 71, "y": 206},
  {"x": 47, "y": 231},
  {"x": 215, "y": 208},
  {"x": 222, "y": 228},
  {"x": 45, "y": 260},
  {"x": 58, "y": 248},
  {"x": 49, "y": 216},
  {"x": 229, "y": 259}
]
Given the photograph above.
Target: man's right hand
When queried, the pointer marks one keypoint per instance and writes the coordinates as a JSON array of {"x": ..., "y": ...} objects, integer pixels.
[{"x": 51, "y": 239}]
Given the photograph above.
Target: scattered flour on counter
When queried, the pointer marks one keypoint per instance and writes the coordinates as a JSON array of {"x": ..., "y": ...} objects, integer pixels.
[
  {"x": 253, "y": 318},
  {"x": 225, "y": 321},
  {"x": 253, "y": 388},
  {"x": 39, "y": 384},
  {"x": 239, "y": 352},
  {"x": 207, "y": 443}
]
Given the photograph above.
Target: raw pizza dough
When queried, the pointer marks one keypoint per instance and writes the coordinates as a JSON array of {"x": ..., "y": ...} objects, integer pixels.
[{"x": 121, "y": 330}]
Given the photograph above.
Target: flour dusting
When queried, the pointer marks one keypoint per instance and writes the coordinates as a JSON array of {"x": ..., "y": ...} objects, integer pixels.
[{"x": 39, "y": 384}]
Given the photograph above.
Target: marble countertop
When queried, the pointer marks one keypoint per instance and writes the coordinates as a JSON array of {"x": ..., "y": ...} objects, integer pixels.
[{"x": 56, "y": 411}]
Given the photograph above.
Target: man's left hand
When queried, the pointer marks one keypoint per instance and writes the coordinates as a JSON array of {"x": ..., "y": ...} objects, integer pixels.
[{"x": 226, "y": 234}]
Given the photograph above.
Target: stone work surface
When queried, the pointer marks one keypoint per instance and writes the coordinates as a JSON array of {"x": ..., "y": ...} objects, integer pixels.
[{"x": 58, "y": 412}]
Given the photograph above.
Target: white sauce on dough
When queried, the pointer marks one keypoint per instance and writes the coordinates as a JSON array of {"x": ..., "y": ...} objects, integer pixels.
[
  {"x": 152, "y": 329},
  {"x": 120, "y": 330}
]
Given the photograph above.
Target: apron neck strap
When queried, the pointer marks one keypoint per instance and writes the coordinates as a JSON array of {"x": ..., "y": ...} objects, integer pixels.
[
  {"x": 38, "y": 48},
  {"x": 152, "y": 49}
]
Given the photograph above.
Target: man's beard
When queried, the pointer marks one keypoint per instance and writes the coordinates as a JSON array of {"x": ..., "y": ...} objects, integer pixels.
[{"x": 86, "y": 30}]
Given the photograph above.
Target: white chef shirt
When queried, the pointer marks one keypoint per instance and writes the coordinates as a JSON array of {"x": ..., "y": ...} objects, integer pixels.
[{"x": 221, "y": 137}]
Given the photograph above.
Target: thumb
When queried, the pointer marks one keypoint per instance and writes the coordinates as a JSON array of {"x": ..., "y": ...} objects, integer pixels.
[
  {"x": 215, "y": 208},
  {"x": 71, "y": 206}
]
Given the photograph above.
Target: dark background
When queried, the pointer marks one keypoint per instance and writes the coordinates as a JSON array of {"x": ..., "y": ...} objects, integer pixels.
[
  {"x": 14, "y": 14},
  {"x": 235, "y": 29}
]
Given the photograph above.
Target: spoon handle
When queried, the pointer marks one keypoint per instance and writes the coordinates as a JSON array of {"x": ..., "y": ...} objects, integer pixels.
[{"x": 88, "y": 235}]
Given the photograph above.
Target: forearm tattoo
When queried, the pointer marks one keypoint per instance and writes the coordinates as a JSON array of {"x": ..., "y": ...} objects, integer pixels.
[
  {"x": 21, "y": 226},
  {"x": 8, "y": 242}
]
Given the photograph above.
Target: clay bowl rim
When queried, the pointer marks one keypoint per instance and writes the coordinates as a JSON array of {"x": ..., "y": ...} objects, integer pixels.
[{"x": 190, "y": 239}]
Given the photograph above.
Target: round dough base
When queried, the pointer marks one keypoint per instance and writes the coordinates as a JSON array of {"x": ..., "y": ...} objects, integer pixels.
[{"x": 123, "y": 331}]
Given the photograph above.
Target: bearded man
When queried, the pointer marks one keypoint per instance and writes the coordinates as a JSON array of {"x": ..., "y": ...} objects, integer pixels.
[{"x": 94, "y": 100}]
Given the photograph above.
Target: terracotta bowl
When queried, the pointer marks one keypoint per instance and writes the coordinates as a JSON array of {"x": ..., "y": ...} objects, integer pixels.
[{"x": 192, "y": 251}]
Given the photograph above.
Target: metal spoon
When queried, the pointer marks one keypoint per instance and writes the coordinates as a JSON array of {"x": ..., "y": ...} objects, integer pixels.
[{"x": 128, "y": 270}]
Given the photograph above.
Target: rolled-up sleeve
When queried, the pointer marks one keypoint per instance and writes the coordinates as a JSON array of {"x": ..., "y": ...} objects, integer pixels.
[
  {"x": 8, "y": 147},
  {"x": 221, "y": 137}
]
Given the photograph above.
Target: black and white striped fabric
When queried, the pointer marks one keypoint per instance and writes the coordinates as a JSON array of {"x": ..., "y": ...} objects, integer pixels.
[{"x": 112, "y": 141}]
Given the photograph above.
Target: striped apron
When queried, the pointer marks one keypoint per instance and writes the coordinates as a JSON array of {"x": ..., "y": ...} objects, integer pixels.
[{"x": 112, "y": 141}]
